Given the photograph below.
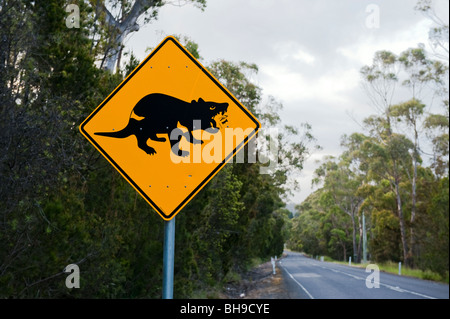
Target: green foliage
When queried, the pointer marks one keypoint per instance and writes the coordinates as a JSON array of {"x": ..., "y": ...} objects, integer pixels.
[
  {"x": 435, "y": 231},
  {"x": 190, "y": 45},
  {"x": 62, "y": 203},
  {"x": 236, "y": 78},
  {"x": 306, "y": 232}
]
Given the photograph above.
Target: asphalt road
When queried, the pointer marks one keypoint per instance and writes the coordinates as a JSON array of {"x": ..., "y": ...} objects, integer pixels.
[{"x": 308, "y": 278}]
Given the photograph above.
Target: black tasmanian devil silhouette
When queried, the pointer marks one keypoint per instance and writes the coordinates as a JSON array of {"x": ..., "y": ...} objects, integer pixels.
[{"x": 162, "y": 113}]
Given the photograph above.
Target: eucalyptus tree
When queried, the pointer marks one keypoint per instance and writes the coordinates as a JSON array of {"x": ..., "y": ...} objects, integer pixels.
[
  {"x": 341, "y": 183},
  {"x": 380, "y": 83},
  {"x": 117, "y": 19}
]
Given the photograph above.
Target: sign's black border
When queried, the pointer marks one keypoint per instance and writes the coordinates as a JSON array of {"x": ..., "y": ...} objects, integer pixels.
[{"x": 216, "y": 170}]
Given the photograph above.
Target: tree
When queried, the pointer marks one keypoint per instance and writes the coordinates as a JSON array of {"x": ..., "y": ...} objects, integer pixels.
[
  {"x": 411, "y": 112},
  {"x": 433, "y": 236},
  {"x": 307, "y": 227},
  {"x": 341, "y": 185},
  {"x": 118, "y": 19},
  {"x": 41, "y": 154},
  {"x": 420, "y": 72},
  {"x": 439, "y": 33},
  {"x": 437, "y": 126},
  {"x": 380, "y": 82}
]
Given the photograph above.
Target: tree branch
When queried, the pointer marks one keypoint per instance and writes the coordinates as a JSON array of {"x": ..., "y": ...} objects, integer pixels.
[
  {"x": 139, "y": 7},
  {"x": 101, "y": 8}
]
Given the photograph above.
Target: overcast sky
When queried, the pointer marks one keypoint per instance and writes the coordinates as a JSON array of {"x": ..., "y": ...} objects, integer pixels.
[{"x": 309, "y": 53}]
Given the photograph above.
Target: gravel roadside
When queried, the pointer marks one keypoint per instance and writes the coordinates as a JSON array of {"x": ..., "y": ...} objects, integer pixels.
[{"x": 258, "y": 283}]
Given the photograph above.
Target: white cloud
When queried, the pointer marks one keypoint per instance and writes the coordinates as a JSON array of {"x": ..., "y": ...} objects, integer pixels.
[
  {"x": 363, "y": 51},
  {"x": 304, "y": 57},
  {"x": 292, "y": 51},
  {"x": 289, "y": 85}
]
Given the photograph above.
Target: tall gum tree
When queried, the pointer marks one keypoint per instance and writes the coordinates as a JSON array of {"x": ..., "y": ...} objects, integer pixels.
[
  {"x": 380, "y": 82},
  {"x": 120, "y": 18}
]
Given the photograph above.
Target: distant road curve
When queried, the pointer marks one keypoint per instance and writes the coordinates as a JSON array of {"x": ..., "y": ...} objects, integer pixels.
[{"x": 307, "y": 278}]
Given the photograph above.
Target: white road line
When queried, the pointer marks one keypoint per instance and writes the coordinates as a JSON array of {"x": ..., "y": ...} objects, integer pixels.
[
  {"x": 398, "y": 289},
  {"x": 407, "y": 291},
  {"x": 301, "y": 286}
]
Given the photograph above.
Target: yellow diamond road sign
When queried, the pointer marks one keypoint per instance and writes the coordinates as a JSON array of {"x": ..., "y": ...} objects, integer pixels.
[{"x": 169, "y": 127}]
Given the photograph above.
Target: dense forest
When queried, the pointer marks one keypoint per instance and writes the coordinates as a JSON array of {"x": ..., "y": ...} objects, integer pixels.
[
  {"x": 62, "y": 203},
  {"x": 392, "y": 177}
]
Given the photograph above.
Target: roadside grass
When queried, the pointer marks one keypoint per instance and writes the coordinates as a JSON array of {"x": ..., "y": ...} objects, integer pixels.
[{"x": 392, "y": 267}]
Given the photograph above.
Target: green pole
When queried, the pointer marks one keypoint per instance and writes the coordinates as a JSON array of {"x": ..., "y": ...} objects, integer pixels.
[
  {"x": 168, "y": 258},
  {"x": 364, "y": 238}
]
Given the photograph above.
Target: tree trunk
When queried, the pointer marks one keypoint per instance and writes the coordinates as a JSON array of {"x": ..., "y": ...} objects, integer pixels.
[
  {"x": 119, "y": 58},
  {"x": 355, "y": 249},
  {"x": 414, "y": 197},
  {"x": 120, "y": 28},
  {"x": 113, "y": 56},
  {"x": 360, "y": 237},
  {"x": 401, "y": 222}
]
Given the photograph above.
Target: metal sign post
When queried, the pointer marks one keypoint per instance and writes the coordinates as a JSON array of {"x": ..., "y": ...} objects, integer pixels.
[{"x": 168, "y": 258}]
